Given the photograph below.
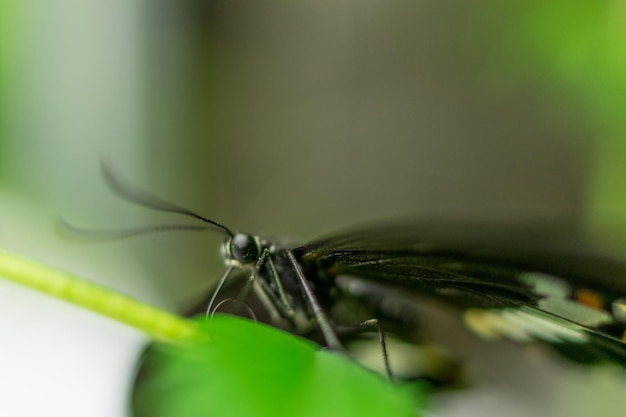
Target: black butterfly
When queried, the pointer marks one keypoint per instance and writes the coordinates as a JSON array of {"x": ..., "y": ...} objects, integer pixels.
[{"x": 514, "y": 284}]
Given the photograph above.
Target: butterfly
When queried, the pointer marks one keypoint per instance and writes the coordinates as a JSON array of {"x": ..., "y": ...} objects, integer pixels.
[{"x": 521, "y": 284}]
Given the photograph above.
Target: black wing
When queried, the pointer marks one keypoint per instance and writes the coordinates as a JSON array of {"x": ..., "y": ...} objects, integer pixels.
[{"x": 522, "y": 285}]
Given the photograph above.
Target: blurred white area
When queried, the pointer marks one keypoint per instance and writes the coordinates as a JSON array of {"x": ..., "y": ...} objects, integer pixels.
[
  {"x": 58, "y": 360},
  {"x": 279, "y": 118}
]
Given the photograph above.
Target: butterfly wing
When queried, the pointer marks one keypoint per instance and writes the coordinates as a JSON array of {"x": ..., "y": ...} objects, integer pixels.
[{"x": 521, "y": 285}]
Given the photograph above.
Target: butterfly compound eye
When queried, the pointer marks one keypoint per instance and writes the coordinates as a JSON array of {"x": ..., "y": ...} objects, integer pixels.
[{"x": 244, "y": 248}]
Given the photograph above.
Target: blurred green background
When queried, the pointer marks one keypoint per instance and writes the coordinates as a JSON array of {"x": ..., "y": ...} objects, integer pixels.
[{"x": 301, "y": 119}]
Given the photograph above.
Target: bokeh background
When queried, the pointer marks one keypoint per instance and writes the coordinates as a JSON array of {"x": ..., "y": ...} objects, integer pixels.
[{"x": 296, "y": 119}]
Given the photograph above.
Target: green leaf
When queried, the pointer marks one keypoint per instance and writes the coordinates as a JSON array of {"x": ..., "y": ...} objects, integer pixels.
[
  {"x": 248, "y": 369},
  {"x": 226, "y": 366}
]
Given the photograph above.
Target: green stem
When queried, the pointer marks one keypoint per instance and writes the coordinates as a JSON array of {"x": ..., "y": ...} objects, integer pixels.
[{"x": 158, "y": 324}]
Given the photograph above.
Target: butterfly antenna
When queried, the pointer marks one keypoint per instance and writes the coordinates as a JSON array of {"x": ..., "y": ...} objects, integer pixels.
[
  {"x": 105, "y": 234},
  {"x": 141, "y": 197}
]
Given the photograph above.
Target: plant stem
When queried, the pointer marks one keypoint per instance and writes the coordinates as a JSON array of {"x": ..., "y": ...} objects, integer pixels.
[{"x": 158, "y": 324}]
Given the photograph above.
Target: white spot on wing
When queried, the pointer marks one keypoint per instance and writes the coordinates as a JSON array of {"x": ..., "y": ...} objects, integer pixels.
[
  {"x": 546, "y": 284},
  {"x": 492, "y": 325},
  {"x": 574, "y": 311},
  {"x": 618, "y": 309},
  {"x": 522, "y": 325}
]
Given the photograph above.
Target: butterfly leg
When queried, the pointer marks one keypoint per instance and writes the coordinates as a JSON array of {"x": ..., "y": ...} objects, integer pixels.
[
  {"x": 332, "y": 341},
  {"x": 275, "y": 302},
  {"x": 264, "y": 295},
  {"x": 375, "y": 324},
  {"x": 217, "y": 290}
]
